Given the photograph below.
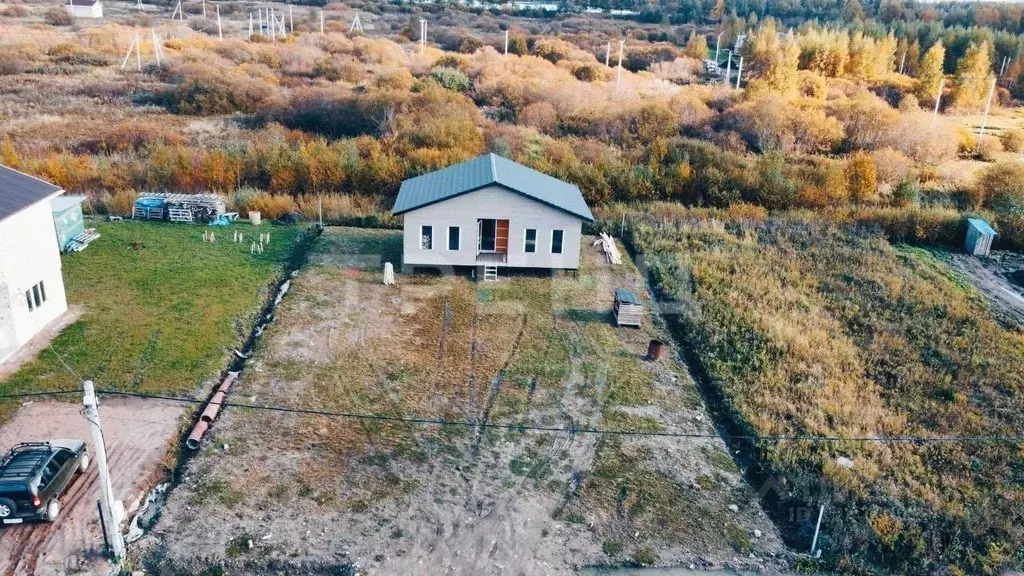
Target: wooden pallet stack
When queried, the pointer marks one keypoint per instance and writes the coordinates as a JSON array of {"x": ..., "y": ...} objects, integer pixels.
[{"x": 179, "y": 207}]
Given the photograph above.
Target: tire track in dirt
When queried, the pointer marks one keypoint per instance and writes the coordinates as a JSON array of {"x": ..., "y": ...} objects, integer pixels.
[{"x": 137, "y": 434}]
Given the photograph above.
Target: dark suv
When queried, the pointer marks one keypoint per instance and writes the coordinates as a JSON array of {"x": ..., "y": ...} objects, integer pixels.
[{"x": 33, "y": 476}]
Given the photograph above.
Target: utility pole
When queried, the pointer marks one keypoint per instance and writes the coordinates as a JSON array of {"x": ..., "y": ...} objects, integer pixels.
[
  {"x": 506, "y": 42},
  {"x": 608, "y": 55},
  {"x": 321, "y": 22},
  {"x": 938, "y": 98},
  {"x": 250, "y": 25},
  {"x": 618, "y": 73},
  {"x": 423, "y": 37},
  {"x": 204, "y": 9},
  {"x": 111, "y": 509},
  {"x": 988, "y": 106},
  {"x": 220, "y": 31},
  {"x": 728, "y": 69},
  {"x": 156, "y": 46},
  {"x": 718, "y": 45},
  {"x": 291, "y": 21},
  {"x": 902, "y": 60},
  {"x": 739, "y": 72}
]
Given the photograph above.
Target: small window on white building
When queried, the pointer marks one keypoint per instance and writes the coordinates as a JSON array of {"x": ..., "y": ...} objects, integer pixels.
[
  {"x": 556, "y": 241},
  {"x": 35, "y": 296},
  {"x": 427, "y": 237},
  {"x": 530, "y": 241},
  {"x": 454, "y": 238}
]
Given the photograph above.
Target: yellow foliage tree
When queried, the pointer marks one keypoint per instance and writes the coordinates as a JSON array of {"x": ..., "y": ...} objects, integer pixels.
[
  {"x": 697, "y": 46},
  {"x": 973, "y": 77},
  {"x": 8, "y": 155},
  {"x": 771, "y": 61},
  {"x": 930, "y": 73},
  {"x": 862, "y": 178}
]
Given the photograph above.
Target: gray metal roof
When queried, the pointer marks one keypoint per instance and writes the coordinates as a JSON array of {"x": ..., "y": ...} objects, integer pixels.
[
  {"x": 488, "y": 170},
  {"x": 982, "y": 226},
  {"x": 19, "y": 191}
]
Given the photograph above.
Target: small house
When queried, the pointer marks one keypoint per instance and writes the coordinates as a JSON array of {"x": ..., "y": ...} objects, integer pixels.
[
  {"x": 31, "y": 285},
  {"x": 488, "y": 214},
  {"x": 67, "y": 219},
  {"x": 979, "y": 237},
  {"x": 84, "y": 8}
]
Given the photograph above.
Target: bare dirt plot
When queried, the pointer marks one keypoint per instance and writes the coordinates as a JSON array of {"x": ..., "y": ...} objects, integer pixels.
[
  {"x": 1000, "y": 278},
  {"x": 137, "y": 433},
  {"x": 321, "y": 494}
]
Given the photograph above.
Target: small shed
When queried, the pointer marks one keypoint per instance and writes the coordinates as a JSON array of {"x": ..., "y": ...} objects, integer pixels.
[
  {"x": 627, "y": 308},
  {"x": 85, "y": 8},
  {"x": 979, "y": 237},
  {"x": 67, "y": 218}
]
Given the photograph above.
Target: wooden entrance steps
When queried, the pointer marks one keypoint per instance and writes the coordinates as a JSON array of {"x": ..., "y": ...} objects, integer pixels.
[{"x": 490, "y": 273}]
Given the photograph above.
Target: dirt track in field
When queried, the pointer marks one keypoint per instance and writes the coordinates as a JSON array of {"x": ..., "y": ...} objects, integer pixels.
[
  {"x": 137, "y": 433},
  {"x": 1000, "y": 278}
]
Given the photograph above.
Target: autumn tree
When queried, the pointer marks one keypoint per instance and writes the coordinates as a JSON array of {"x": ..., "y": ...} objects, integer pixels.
[
  {"x": 930, "y": 72},
  {"x": 8, "y": 155},
  {"x": 771, "y": 61},
  {"x": 697, "y": 46},
  {"x": 862, "y": 179},
  {"x": 973, "y": 77}
]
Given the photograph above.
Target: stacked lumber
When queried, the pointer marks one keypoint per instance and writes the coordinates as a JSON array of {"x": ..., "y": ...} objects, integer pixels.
[{"x": 611, "y": 251}]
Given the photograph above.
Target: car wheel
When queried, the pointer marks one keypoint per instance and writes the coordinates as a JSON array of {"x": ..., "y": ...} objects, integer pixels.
[
  {"x": 83, "y": 463},
  {"x": 7, "y": 508},
  {"x": 52, "y": 510}
]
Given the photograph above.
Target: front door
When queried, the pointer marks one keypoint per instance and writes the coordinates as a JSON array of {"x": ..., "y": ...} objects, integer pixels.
[{"x": 501, "y": 237}]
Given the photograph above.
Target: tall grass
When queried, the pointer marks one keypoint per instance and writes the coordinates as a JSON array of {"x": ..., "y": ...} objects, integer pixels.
[{"x": 807, "y": 328}]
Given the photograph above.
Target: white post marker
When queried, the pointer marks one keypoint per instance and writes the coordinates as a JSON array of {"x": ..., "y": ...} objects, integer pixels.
[
  {"x": 988, "y": 106},
  {"x": 291, "y": 20},
  {"x": 321, "y": 22},
  {"x": 220, "y": 31},
  {"x": 506, "y": 42},
  {"x": 250, "y": 25},
  {"x": 608, "y": 55},
  {"x": 739, "y": 72},
  {"x": 728, "y": 68},
  {"x": 423, "y": 37},
  {"x": 108, "y": 505},
  {"x": 817, "y": 528},
  {"x": 204, "y": 8},
  {"x": 272, "y": 22}
]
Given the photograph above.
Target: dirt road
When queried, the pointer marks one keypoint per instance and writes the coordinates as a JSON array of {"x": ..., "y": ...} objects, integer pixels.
[
  {"x": 137, "y": 433},
  {"x": 1000, "y": 278}
]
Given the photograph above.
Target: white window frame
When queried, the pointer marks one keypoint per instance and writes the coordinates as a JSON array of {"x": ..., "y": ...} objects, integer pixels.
[
  {"x": 536, "y": 234},
  {"x": 448, "y": 239},
  {"x": 422, "y": 226},
  {"x": 551, "y": 245}
]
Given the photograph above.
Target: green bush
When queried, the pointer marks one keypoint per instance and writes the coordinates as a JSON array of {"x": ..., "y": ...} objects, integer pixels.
[{"x": 451, "y": 78}]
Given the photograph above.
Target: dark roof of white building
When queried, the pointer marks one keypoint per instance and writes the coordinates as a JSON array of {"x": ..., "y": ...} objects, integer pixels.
[
  {"x": 19, "y": 191},
  {"x": 490, "y": 170}
]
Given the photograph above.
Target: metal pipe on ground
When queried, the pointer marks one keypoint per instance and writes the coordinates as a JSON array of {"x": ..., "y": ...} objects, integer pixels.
[
  {"x": 213, "y": 408},
  {"x": 196, "y": 437}
]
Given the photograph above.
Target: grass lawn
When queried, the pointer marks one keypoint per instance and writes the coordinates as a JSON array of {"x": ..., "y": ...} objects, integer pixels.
[
  {"x": 461, "y": 499},
  {"x": 162, "y": 309}
]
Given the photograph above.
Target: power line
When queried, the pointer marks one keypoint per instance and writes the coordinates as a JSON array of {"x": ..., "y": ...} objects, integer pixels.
[
  {"x": 580, "y": 430},
  {"x": 513, "y": 427}
]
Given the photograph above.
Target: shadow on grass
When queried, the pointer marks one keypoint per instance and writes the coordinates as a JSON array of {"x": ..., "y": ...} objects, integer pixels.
[{"x": 586, "y": 316}]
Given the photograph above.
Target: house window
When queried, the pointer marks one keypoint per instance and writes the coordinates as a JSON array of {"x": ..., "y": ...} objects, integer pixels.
[
  {"x": 454, "y": 239},
  {"x": 530, "y": 241},
  {"x": 427, "y": 237},
  {"x": 556, "y": 241},
  {"x": 35, "y": 296}
]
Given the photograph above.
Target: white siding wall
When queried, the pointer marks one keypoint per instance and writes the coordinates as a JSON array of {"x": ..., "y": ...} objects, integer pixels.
[
  {"x": 94, "y": 11},
  {"x": 492, "y": 203},
  {"x": 28, "y": 254}
]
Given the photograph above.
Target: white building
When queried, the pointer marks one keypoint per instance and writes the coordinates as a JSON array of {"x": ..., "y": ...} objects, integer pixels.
[
  {"x": 490, "y": 213},
  {"x": 31, "y": 285},
  {"x": 85, "y": 8}
]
